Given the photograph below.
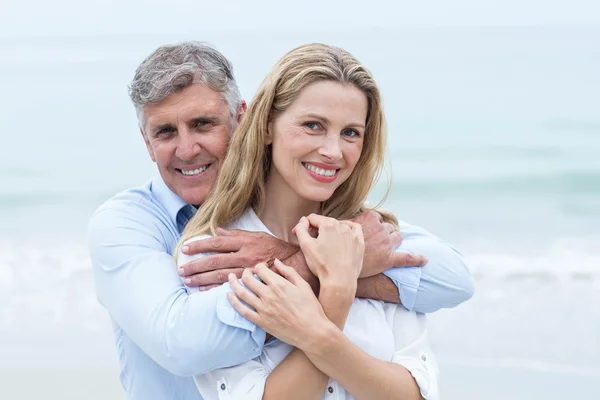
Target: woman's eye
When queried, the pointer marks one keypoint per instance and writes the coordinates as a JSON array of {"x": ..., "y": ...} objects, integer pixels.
[
  {"x": 312, "y": 125},
  {"x": 351, "y": 133}
]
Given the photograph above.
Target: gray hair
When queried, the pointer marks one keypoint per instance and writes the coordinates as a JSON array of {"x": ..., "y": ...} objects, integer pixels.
[{"x": 172, "y": 68}]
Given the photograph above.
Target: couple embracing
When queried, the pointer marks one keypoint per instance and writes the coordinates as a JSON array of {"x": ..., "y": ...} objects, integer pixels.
[{"x": 251, "y": 266}]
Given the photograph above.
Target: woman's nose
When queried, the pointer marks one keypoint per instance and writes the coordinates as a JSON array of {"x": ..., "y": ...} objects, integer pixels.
[{"x": 331, "y": 148}]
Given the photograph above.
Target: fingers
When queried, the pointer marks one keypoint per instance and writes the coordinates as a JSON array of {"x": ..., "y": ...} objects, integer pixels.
[
  {"x": 390, "y": 228},
  {"x": 231, "y": 232},
  {"x": 395, "y": 239},
  {"x": 408, "y": 260},
  {"x": 318, "y": 220},
  {"x": 210, "y": 278},
  {"x": 211, "y": 263},
  {"x": 212, "y": 244},
  {"x": 301, "y": 230},
  {"x": 207, "y": 287},
  {"x": 256, "y": 286},
  {"x": 269, "y": 277},
  {"x": 246, "y": 295},
  {"x": 288, "y": 272},
  {"x": 356, "y": 230},
  {"x": 243, "y": 309}
]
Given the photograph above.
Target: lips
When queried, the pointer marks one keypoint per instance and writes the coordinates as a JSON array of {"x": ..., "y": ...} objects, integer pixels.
[
  {"x": 193, "y": 171},
  {"x": 321, "y": 172}
]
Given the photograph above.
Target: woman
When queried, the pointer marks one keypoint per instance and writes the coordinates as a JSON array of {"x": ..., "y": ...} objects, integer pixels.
[{"x": 305, "y": 156}]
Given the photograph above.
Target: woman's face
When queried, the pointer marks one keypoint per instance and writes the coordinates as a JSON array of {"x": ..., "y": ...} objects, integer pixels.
[{"x": 318, "y": 139}]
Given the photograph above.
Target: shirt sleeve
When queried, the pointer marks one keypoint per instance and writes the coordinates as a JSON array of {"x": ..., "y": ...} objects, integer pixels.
[
  {"x": 412, "y": 351},
  {"x": 245, "y": 381},
  {"x": 137, "y": 282},
  {"x": 444, "y": 282}
]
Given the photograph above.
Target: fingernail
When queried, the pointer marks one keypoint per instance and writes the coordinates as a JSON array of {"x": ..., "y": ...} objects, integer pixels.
[
  {"x": 202, "y": 289},
  {"x": 181, "y": 271},
  {"x": 185, "y": 249},
  {"x": 187, "y": 281}
]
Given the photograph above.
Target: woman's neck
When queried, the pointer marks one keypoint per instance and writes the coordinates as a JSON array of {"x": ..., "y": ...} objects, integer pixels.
[{"x": 283, "y": 208}]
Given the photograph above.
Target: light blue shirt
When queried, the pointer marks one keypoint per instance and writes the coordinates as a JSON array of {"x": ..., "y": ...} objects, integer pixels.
[{"x": 164, "y": 335}]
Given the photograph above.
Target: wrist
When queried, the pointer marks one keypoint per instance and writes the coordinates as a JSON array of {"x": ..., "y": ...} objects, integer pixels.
[
  {"x": 312, "y": 338},
  {"x": 337, "y": 293},
  {"x": 336, "y": 302},
  {"x": 337, "y": 289},
  {"x": 325, "y": 342}
]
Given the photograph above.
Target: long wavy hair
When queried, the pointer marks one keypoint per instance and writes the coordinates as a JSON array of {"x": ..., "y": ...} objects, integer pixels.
[{"x": 243, "y": 174}]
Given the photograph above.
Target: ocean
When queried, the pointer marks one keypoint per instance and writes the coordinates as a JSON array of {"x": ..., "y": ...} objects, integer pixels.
[{"x": 494, "y": 145}]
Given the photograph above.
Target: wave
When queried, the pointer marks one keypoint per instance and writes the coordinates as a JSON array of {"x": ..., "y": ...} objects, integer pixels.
[
  {"x": 564, "y": 183},
  {"x": 569, "y": 259},
  {"x": 66, "y": 261}
]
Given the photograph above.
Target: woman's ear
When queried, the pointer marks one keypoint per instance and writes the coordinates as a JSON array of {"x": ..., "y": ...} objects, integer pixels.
[{"x": 269, "y": 138}]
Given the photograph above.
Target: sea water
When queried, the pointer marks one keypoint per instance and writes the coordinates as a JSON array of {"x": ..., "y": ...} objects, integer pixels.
[{"x": 494, "y": 145}]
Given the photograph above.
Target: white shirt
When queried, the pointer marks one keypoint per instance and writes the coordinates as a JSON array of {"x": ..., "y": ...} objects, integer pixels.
[{"x": 386, "y": 331}]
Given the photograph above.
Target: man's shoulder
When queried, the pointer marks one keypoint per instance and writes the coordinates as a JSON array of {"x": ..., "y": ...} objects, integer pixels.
[{"x": 137, "y": 199}]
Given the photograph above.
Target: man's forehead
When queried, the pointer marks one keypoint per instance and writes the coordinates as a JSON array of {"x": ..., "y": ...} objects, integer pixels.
[{"x": 193, "y": 102}]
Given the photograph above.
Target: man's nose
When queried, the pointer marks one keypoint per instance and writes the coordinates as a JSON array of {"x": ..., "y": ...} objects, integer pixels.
[
  {"x": 187, "y": 147},
  {"x": 331, "y": 148}
]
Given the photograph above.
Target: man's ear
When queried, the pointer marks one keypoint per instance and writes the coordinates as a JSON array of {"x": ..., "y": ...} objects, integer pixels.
[
  {"x": 241, "y": 111},
  {"x": 148, "y": 145}
]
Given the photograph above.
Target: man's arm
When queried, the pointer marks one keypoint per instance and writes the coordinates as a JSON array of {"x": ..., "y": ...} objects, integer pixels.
[
  {"x": 444, "y": 282},
  {"x": 136, "y": 280}
]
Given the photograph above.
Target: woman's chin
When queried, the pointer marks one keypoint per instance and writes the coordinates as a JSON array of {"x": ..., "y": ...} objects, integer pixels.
[{"x": 318, "y": 195}]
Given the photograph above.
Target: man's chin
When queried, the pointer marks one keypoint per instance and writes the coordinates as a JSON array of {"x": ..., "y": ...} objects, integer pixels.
[{"x": 194, "y": 199}]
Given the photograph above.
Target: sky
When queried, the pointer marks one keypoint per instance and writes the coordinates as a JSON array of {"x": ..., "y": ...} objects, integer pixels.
[{"x": 41, "y": 18}]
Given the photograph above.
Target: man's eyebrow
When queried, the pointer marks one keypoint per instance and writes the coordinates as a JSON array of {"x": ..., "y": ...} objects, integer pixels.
[
  {"x": 160, "y": 127},
  {"x": 211, "y": 119}
]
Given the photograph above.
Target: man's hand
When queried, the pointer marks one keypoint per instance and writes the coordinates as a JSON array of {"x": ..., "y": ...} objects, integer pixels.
[
  {"x": 233, "y": 251},
  {"x": 381, "y": 240}
]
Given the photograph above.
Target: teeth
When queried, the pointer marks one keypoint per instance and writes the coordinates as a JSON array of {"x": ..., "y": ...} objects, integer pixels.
[
  {"x": 319, "y": 171},
  {"x": 194, "y": 171}
]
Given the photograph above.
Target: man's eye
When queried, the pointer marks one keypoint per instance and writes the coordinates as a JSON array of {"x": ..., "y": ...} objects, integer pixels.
[
  {"x": 202, "y": 124},
  {"x": 164, "y": 131}
]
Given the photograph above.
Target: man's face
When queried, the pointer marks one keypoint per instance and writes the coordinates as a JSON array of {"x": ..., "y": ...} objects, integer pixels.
[{"x": 187, "y": 135}]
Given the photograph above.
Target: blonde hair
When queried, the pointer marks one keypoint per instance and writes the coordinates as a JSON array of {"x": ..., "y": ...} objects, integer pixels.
[{"x": 241, "y": 181}]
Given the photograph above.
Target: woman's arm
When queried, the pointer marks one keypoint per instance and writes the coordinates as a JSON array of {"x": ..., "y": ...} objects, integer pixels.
[
  {"x": 338, "y": 357},
  {"x": 296, "y": 377},
  {"x": 288, "y": 310}
]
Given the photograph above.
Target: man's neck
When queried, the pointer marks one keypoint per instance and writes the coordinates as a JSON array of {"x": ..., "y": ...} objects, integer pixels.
[{"x": 283, "y": 208}]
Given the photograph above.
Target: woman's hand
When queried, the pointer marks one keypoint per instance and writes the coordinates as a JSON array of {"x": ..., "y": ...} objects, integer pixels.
[
  {"x": 284, "y": 306},
  {"x": 337, "y": 253}
]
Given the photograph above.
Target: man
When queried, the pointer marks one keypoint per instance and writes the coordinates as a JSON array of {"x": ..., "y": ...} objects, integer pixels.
[{"x": 188, "y": 105}]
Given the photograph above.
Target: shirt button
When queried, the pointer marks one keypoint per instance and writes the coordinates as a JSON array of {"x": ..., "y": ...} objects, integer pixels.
[
  {"x": 423, "y": 357},
  {"x": 330, "y": 389},
  {"x": 222, "y": 386}
]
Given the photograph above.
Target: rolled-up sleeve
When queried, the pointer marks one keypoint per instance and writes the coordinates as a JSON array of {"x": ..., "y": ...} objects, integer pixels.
[
  {"x": 416, "y": 356},
  {"x": 137, "y": 282},
  {"x": 412, "y": 351},
  {"x": 444, "y": 282}
]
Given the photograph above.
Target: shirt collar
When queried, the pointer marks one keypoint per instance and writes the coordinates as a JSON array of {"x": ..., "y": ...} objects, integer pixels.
[{"x": 169, "y": 200}]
